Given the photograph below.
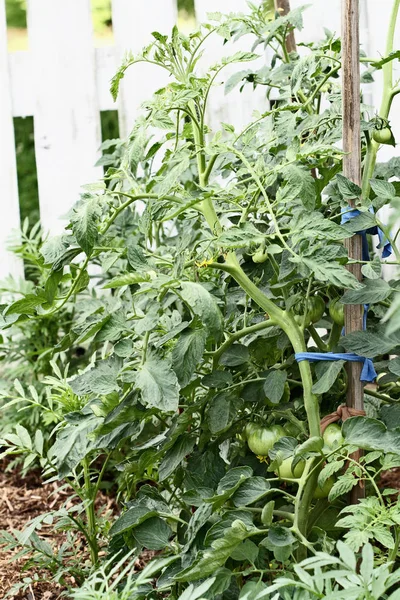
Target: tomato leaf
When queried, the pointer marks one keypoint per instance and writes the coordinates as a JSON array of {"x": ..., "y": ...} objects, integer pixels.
[{"x": 158, "y": 384}]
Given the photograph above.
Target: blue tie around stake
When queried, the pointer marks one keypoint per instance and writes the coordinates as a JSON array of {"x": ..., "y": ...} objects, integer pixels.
[
  {"x": 347, "y": 215},
  {"x": 368, "y": 372}
]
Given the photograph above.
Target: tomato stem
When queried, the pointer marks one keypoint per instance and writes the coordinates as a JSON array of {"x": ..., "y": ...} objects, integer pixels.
[{"x": 387, "y": 97}]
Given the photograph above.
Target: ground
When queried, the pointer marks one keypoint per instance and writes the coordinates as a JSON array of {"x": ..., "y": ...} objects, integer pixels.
[{"x": 22, "y": 499}]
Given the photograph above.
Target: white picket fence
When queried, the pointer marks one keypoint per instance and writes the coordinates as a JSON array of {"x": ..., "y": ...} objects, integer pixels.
[{"x": 63, "y": 82}]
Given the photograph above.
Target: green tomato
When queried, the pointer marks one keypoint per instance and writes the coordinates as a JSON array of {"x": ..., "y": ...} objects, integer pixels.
[
  {"x": 291, "y": 429},
  {"x": 323, "y": 492},
  {"x": 278, "y": 431},
  {"x": 315, "y": 309},
  {"x": 336, "y": 311},
  {"x": 260, "y": 256},
  {"x": 333, "y": 436},
  {"x": 248, "y": 430},
  {"x": 383, "y": 136},
  {"x": 261, "y": 440},
  {"x": 285, "y": 469}
]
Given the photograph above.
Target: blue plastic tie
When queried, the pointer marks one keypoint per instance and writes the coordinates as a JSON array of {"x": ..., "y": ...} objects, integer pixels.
[
  {"x": 368, "y": 372},
  {"x": 347, "y": 215}
]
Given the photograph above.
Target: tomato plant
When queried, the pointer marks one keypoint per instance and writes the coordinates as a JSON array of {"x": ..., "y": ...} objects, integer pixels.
[{"x": 206, "y": 297}]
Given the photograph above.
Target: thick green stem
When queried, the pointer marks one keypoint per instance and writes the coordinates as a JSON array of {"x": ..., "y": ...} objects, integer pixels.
[
  {"x": 304, "y": 497},
  {"x": 387, "y": 97},
  {"x": 286, "y": 321}
]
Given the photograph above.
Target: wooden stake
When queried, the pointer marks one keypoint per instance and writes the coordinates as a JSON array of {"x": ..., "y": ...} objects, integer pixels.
[
  {"x": 353, "y": 314},
  {"x": 283, "y": 7}
]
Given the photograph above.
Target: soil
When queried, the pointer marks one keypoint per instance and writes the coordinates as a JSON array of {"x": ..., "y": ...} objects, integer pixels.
[
  {"x": 390, "y": 479},
  {"x": 22, "y": 499}
]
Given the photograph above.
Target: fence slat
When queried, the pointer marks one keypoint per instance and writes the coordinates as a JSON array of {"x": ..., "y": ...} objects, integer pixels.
[
  {"x": 66, "y": 115},
  {"x": 236, "y": 107},
  {"x": 10, "y": 218},
  {"x": 133, "y": 23}
]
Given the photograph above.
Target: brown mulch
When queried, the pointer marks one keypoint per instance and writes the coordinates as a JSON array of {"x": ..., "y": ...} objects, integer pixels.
[
  {"x": 390, "y": 479},
  {"x": 22, "y": 499}
]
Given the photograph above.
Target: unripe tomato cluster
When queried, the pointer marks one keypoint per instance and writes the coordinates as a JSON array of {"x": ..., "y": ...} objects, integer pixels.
[{"x": 261, "y": 440}]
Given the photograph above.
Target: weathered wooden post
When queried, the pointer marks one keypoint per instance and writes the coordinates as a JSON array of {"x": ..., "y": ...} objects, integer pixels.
[{"x": 352, "y": 170}]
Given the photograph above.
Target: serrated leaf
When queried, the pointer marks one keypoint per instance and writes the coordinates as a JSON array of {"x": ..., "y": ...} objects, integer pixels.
[
  {"x": 138, "y": 259},
  {"x": 383, "y": 536},
  {"x": 235, "y": 355},
  {"x": 220, "y": 551},
  {"x": 333, "y": 272},
  {"x": 126, "y": 279},
  {"x": 73, "y": 443},
  {"x": 332, "y": 370},
  {"x": 347, "y": 189},
  {"x": 367, "y": 343},
  {"x": 171, "y": 178},
  {"x": 240, "y": 237},
  {"x": 304, "y": 182},
  {"x": 187, "y": 353},
  {"x": 204, "y": 305},
  {"x": 342, "y": 486},
  {"x": 221, "y": 413},
  {"x": 373, "y": 290},
  {"x": 329, "y": 470},
  {"x": 235, "y": 79},
  {"x": 371, "y": 434},
  {"x": 25, "y": 306},
  {"x": 158, "y": 384},
  {"x": 365, "y": 220},
  {"x": 174, "y": 456},
  {"x": 101, "y": 379},
  {"x": 84, "y": 220},
  {"x": 131, "y": 518},
  {"x": 53, "y": 248},
  {"x": 383, "y": 189},
  {"x": 240, "y": 56},
  {"x": 250, "y": 491},
  {"x": 274, "y": 386}
]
